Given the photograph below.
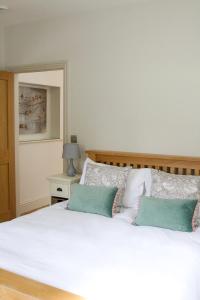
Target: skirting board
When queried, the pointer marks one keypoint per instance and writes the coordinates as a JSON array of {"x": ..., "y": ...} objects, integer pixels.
[{"x": 33, "y": 205}]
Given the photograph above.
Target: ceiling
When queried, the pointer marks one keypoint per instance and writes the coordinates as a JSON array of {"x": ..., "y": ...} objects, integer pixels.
[{"x": 21, "y": 11}]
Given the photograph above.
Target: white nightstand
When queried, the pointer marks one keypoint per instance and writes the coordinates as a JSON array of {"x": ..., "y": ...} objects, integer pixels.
[{"x": 60, "y": 186}]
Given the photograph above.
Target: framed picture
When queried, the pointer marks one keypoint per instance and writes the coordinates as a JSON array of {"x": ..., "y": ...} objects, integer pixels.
[
  {"x": 39, "y": 112},
  {"x": 32, "y": 111}
]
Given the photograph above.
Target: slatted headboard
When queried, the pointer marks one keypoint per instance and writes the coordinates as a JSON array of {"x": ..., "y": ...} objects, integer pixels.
[{"x": 169, "y": 163}]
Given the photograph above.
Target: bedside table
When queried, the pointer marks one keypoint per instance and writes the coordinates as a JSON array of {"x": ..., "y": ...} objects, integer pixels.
[{"x": 60, "y": 186}]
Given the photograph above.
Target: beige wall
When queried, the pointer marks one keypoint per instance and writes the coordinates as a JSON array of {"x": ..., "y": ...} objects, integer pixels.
[
  {"x": 38, "y": 160},
  {"x": 1, "y": 47},
  {"x": 134, "y": 73}
]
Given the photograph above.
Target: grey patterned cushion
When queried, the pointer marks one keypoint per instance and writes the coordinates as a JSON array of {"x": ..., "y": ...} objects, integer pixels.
[
  {"x": 196, "y": 217},
  {"x": 106, "y": 175},
  {"x": 171, "y": 186}
]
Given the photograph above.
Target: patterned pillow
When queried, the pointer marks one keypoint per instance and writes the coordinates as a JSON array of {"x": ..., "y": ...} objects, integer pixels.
[
  {"x": 105, "y": 175},
  {"x": 172, "y": 186},
  {"x": 196, "y": 216}
]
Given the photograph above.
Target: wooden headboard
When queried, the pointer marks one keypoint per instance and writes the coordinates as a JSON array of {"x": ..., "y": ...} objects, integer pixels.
[{"x": 169, "y": 163}]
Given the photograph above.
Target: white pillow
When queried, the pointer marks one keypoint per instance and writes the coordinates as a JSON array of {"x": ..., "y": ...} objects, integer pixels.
[{"x": 138, "y": 184}]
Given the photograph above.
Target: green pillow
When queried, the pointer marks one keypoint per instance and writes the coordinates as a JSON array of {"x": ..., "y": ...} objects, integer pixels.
[
  {"x": 92, "y": 199},
  {"x": 175, "y": 214}
]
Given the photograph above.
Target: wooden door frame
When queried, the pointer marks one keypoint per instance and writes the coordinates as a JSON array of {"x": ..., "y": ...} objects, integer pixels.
[
  {"x": 8, "y": 157},
  {"x": 65, "y": 67}
]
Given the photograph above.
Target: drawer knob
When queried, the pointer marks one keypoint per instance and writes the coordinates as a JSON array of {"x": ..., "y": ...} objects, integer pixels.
[{"x": 59, "y": 189}]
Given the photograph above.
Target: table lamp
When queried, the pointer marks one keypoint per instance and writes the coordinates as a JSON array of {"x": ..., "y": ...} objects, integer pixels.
[{"x": 71, "y": 152}]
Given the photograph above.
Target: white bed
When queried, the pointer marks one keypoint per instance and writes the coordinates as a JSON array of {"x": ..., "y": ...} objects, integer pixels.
[{"x": 102, "y": 258}]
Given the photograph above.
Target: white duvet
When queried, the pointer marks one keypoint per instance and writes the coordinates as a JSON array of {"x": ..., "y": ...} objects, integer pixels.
[{"x": 101, "y": 258}]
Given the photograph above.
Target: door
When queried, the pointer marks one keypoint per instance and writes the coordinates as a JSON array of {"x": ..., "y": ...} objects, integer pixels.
[{"x": 7, "y": 163}]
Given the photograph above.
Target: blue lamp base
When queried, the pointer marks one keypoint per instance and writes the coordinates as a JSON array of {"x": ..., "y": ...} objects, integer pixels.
[{"x": 71, "y": 171}]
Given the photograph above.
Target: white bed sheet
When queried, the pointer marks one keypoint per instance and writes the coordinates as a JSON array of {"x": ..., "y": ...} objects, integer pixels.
[{"x": 102, "y": 258}]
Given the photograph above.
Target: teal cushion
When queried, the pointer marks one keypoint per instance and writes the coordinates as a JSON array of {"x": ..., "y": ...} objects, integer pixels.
[
  {"x": 92, "y": 199},
  {"x": 175, "y": 214}
]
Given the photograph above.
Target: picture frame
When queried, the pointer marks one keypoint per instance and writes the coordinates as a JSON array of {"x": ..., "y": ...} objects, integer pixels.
[{"x": 33, "y": 112}]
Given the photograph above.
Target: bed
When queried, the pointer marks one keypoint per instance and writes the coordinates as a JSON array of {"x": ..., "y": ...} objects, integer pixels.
[{"x": 98, "y": 257}]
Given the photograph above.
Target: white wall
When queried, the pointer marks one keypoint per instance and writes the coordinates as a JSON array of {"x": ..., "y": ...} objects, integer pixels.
[
  {"x": 1, "y": 47},
  {"x": 38, "y": 160},
  {"x": 134, "y": 73}
]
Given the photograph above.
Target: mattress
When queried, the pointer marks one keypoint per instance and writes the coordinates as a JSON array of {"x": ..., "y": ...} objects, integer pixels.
[{"x": 102, "y": 258}]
